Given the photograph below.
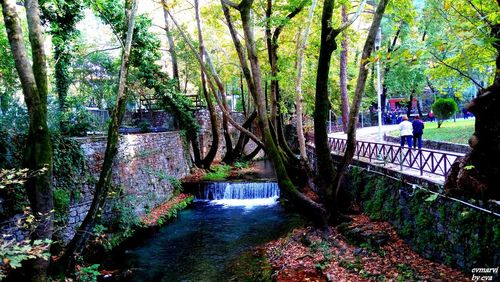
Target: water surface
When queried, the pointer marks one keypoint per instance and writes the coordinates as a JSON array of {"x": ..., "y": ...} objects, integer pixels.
[{"x": 206, "y": 239}]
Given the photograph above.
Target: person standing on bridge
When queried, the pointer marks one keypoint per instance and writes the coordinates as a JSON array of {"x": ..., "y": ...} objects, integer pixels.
[
  {"x": 418, "y": 130},
  {"x": 405, "y": 130}
]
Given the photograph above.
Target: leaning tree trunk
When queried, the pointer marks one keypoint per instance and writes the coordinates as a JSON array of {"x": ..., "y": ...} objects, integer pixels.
[
  {"x": 206, "y": 162},
  {"x": 105, "y": 177},
  {"x": 476, "y": 174},
  {"x": 272, "y": 38},
  {"x": 38, "y": 153}
]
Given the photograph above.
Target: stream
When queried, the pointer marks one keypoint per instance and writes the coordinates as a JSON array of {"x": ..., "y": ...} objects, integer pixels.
[{"x": 225, "y": 221}]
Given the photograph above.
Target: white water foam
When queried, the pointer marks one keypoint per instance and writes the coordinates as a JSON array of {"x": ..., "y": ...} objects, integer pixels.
[
  {"x": 246, "y": 195},
  {"x": 247, "y": 203}
]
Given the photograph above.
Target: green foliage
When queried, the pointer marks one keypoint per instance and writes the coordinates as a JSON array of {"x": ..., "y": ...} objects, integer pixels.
[
  {"x": 406, "y": 273},
  {"x": 172, "y": 212},
  {"x": 78, "y": 121},
  {"x": 88, "y": 273},
  {"x": 68, "y": 164},
  {"x": 176, "y": 183},
  {"x": 61, "y": 202},
  {"x": 444, "y": 108},
  {"x": 97, "y": 74},
  {"x": 13, "y": 128},
  {"x": 241, "y": 164},
  {"x": 219, "y": 172},
  {"x": 145, "y": 126},
  {"x": 13, "y": 253}
]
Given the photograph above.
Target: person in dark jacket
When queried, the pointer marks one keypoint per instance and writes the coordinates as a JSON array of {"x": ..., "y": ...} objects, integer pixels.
[{"x": 418, "y": 130}]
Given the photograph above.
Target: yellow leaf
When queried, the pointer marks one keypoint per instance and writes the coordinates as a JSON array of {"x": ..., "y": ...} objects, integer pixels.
[{"x": 447, "y": 5}]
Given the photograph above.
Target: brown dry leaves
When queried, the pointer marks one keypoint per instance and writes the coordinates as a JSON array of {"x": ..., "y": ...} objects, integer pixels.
[{"x": 309, "y": 254}]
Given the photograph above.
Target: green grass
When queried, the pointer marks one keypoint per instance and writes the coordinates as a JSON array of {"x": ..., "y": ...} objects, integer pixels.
[
  {"x": 220, "y": 172},
  {"x": 453, "y": 132}
]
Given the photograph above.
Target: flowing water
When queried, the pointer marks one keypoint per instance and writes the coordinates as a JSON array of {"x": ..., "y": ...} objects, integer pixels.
[{"x": 225, "y": 220}]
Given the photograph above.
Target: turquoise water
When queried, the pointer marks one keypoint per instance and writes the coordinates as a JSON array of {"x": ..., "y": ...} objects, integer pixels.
[{"x": 205, "y": 239}]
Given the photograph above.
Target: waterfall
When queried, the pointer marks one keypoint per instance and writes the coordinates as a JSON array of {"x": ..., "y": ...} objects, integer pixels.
[{"x": 234, "y": 193}]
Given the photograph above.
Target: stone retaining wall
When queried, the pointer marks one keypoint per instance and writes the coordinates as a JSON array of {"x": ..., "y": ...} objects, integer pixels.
[
  {"x": 438, "y": 228},
  {"x": 205, "y": 136},
  {"x": 142, "y": 173}
]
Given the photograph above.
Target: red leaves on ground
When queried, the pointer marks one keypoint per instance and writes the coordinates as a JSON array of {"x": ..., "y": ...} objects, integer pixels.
[
  {"x": 309, "y": 254},
  {"x": 160, "y": 211}
]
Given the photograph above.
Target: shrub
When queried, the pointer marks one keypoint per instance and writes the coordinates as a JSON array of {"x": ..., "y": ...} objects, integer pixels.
[
  {"x": 444, "y": 108},
  {"x": 219, "y": 172},
  {"x": 144, "y": 126}
]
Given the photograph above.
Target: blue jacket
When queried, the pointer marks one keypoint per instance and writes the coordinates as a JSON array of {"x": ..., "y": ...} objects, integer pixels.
[{"x": 418, "y": 127}]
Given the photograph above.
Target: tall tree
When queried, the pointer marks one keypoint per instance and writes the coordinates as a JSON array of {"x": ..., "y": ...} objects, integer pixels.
[
  {"x": 302, "y": 43},
  {"x": 344, "y": 94},
  {"x": 358, "y": 95},
  {"x": 38, "y": 153},
  {"x": 319, "y": 212},
  {"x": 322, "y": 102},
  {"x": 105, "y": 177},
  {"x": 272, "y": 38},
  {"x": 63, "y": 17},
  {"x": 214, "y": 121},
  {"x": 171, "y": 46},
  {"x": 477, "y": 173}
]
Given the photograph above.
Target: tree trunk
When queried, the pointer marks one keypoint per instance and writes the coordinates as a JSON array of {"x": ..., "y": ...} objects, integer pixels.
[
  {"x": 409, "y": 106},
  {"x": 287, "y": 188},
  {"x": 272, "y": 46},
  {"x": 225, "y": 127},
  {"x": 358, "y": 95},
  {"x": 272, "y": 62},
  {"x": 344, "y": 95},
  {"x": 214, "y": 121},
  {"x": 171, "y": 45},
  {"x": 322, "y": 105},
  {"x": 104, "y": 182},
  {"x": 390, "y": 49},
  {"x": 302, "y": 43},
  {"x": 213, "y": 75},
  {"x": 242, "y": 96},
  {"x": 476, "y": 174},
  {"x": 38, "y": 153}
]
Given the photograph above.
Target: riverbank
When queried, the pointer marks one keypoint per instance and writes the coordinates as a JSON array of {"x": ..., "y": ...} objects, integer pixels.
[{"x": 363, "y": 250}]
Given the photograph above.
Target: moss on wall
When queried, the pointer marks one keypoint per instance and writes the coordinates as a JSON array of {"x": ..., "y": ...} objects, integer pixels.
[{"x": 438, "y": 228}]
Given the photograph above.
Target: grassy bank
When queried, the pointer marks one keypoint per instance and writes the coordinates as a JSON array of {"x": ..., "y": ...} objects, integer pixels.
[{"x": 454, "y": 132}]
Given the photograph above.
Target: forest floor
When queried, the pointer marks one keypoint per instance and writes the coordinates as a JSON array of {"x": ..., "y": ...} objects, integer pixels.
[{"x": 309, "y": 254}]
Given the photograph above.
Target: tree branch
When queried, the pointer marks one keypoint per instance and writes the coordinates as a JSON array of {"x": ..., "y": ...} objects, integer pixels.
[
  {"x": 354, "y": 18},
  {"x": 231, "y": 4},
  {"x": 210, "y": 76},
  {"x": 457, "y": 70}
]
